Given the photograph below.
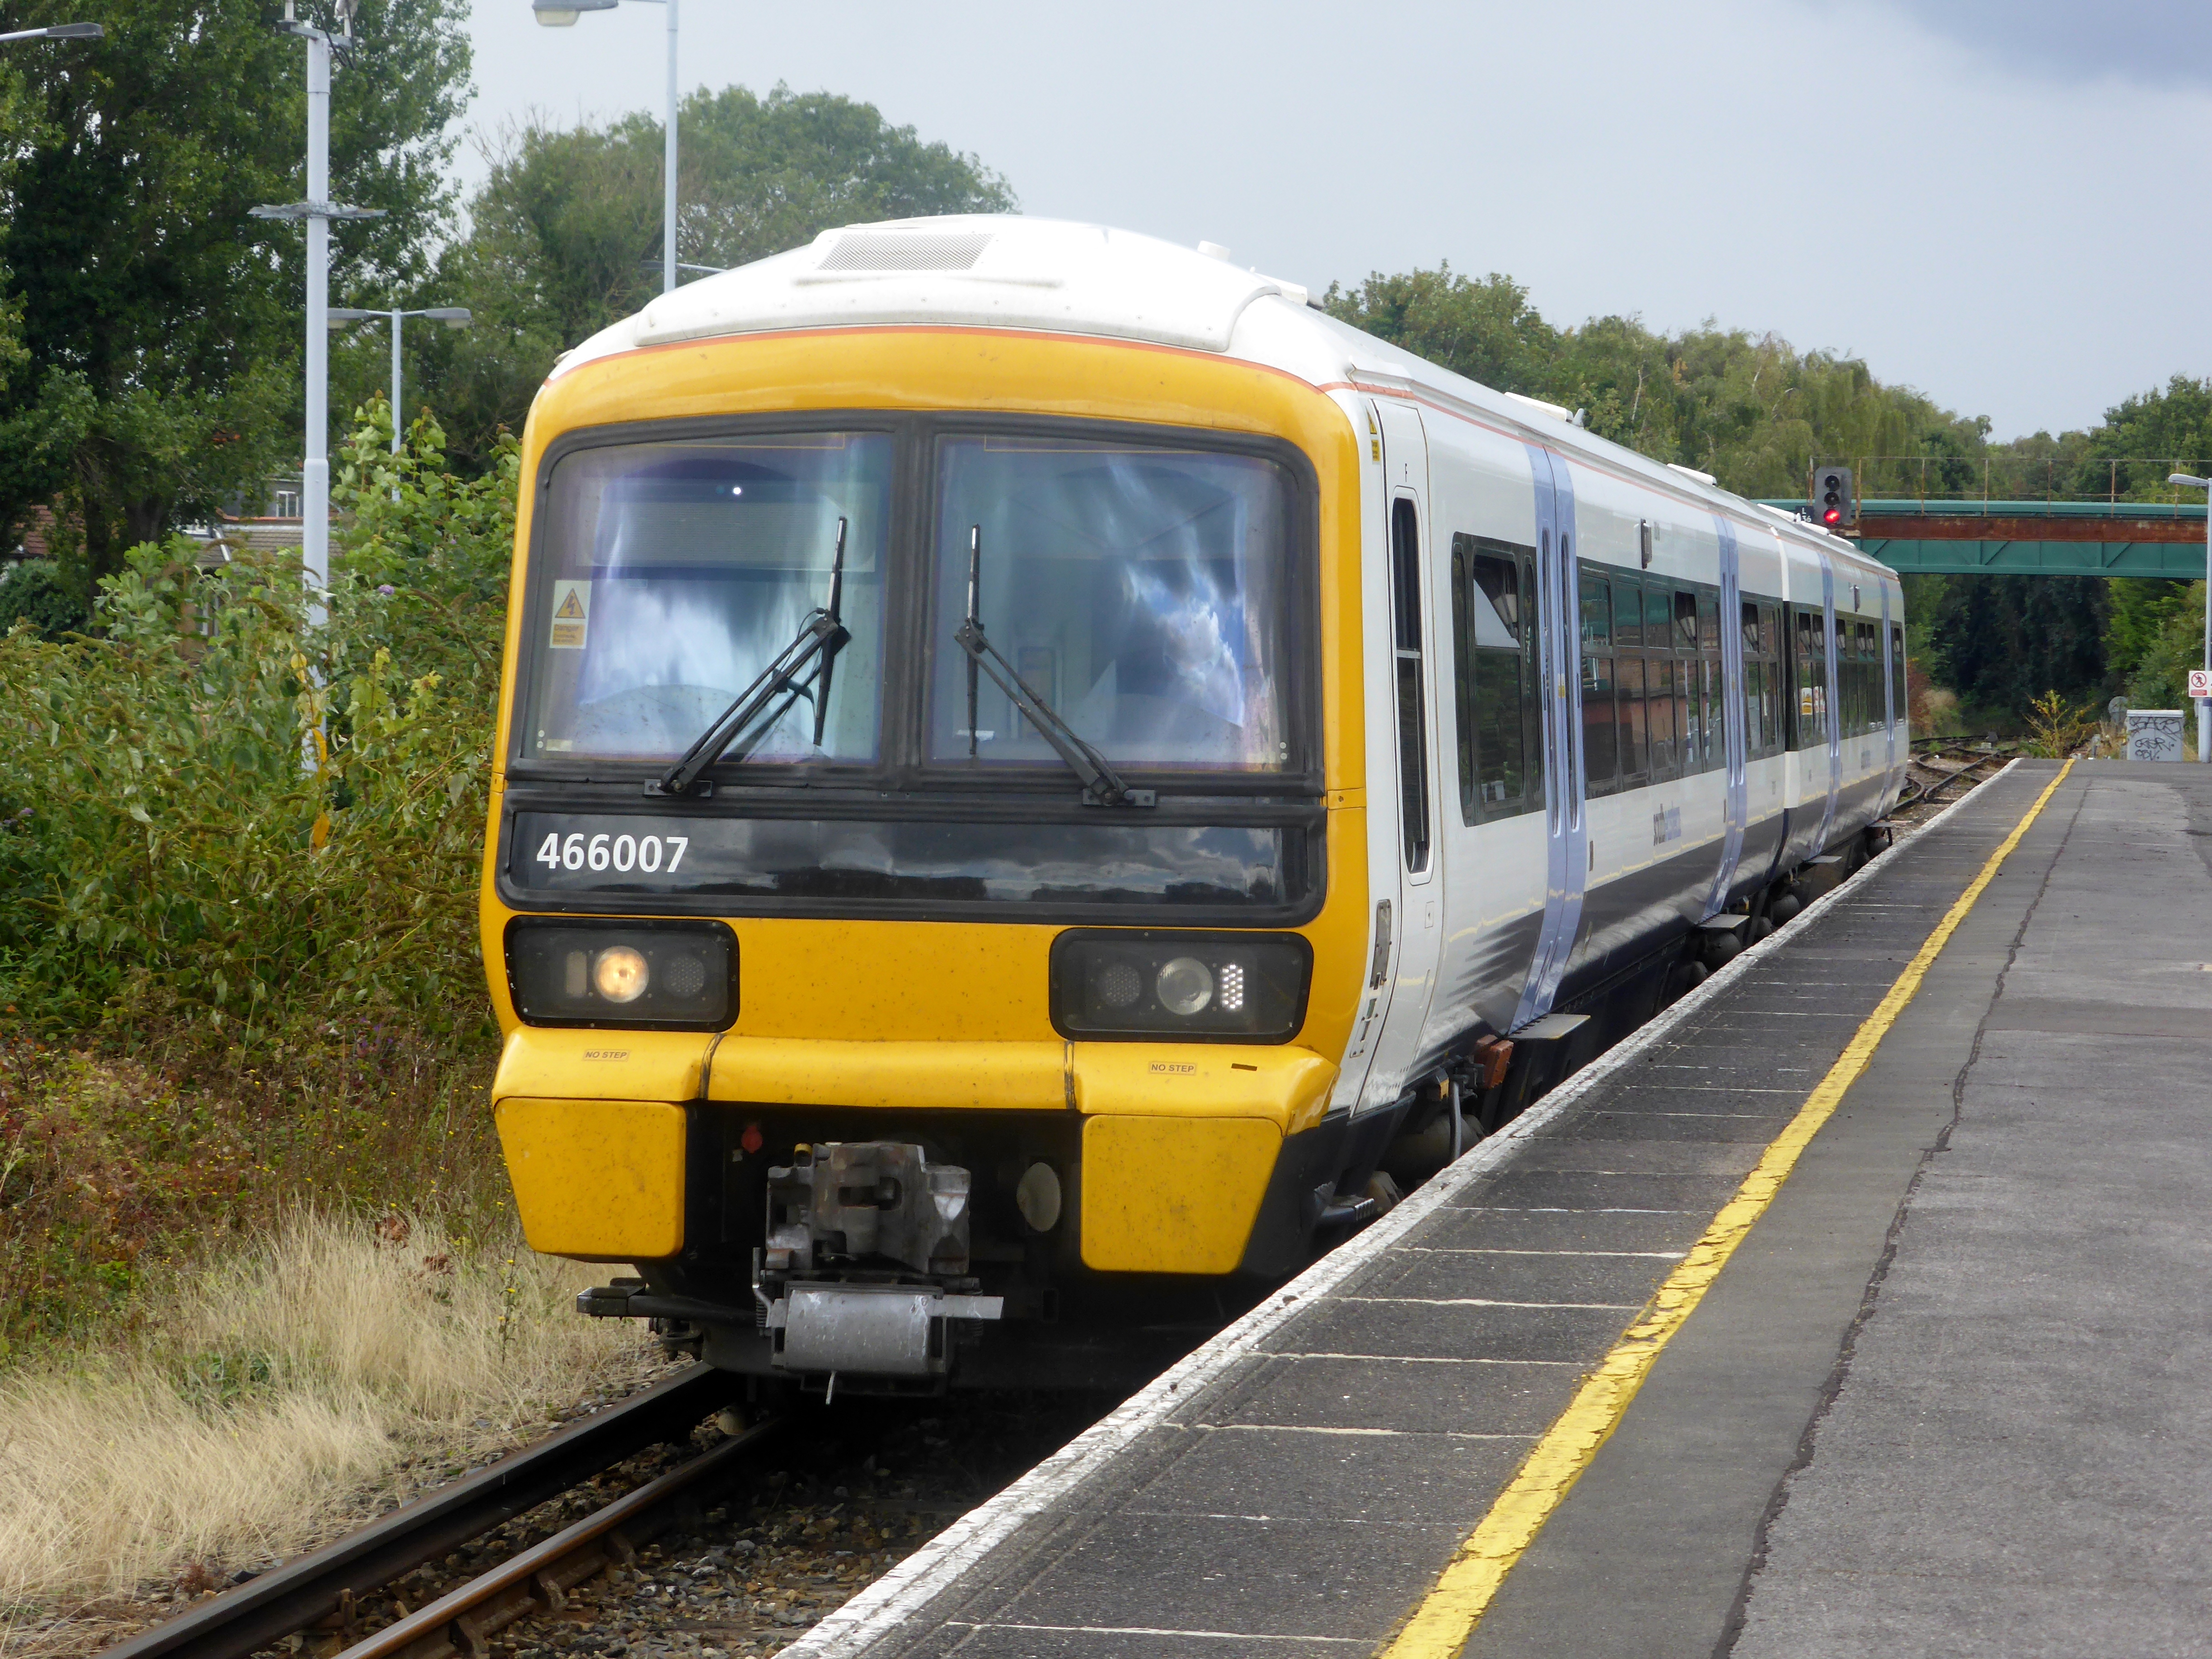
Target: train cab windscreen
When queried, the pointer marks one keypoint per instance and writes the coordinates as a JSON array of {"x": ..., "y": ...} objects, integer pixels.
[
  {"x": 1138, "y": 592},
  {"x": 674, "y": 573}
]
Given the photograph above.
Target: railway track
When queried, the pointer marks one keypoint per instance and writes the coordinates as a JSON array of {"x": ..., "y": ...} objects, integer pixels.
[
  {"x": 1938, "y": 773},
  {"x": 733, "y": 1549},
  {"x": 337, "y": 1586}
]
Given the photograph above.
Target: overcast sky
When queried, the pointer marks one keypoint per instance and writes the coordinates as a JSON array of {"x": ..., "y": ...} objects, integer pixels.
[{"x": 1989, "y": 200}]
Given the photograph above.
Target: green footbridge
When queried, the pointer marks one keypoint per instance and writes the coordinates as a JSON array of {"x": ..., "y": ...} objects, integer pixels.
[{"x": 2031, "y": 537}]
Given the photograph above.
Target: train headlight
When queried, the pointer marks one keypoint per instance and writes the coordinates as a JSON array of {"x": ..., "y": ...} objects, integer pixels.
[
  {"x": 681, "y": 975},
  {"x": 1184, "y": 987},
  {"x": 1131, "y": 983},
  {"x": 620, "y": 975}
]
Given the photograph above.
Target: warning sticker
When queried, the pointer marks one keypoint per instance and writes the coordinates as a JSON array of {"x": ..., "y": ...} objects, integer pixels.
[{"x": 572, "y": 611}]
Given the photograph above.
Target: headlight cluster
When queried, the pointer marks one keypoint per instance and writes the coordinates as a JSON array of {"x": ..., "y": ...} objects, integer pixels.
[
  {"x": 682, "y": 975},
  {"x": 1223, "y": 986}
]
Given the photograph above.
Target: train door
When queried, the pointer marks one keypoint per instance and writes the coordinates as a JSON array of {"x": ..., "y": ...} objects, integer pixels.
[
  {"x": 1418, "y": 931},
  {"x": 1736, "y": 810},
  {"x": 1835, "y": 710},
  {"x": 1890, "y": 710},
  {"x": 1566, "y": 834}
]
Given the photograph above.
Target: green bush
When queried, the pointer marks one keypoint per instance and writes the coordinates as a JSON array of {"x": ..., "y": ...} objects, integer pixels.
[
  {"x": 233, "y": 830},
  {"x": 34, "y": 592}
]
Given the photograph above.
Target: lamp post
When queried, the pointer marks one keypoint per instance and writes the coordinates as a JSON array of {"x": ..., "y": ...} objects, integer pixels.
[
  {"x": 58, "y": 32},
  {"x": 318, "y": 210},
  {"x": 450, "y": 316},
  {"x": 562, "y": 14},
  {"x": 2203, "y": 704}
]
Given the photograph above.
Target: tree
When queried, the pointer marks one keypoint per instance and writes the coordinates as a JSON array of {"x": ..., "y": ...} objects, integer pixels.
[
  {"x": 158, "y": 374},
  {"x": 1486, "y": 331},
  {"x": 566, "y": 235},
  {"x": 2002, "y": 641},
  {"x": 1749, "y": 409}
]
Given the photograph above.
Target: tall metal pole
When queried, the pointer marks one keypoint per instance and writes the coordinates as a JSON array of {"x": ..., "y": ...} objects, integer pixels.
[
  {"x": 315, "y": 475},
  {"x": 668, "y": 183},
  {"x": 396, "y": 318},
  {"x": 2204, "y": 705}
]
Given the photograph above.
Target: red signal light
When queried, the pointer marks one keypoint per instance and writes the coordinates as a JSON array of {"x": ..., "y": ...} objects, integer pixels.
[{"x": 1832, "y": 516}]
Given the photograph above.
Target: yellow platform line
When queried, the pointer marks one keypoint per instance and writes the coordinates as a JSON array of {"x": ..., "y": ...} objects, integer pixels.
[{"x": 1440, "y": 1625}]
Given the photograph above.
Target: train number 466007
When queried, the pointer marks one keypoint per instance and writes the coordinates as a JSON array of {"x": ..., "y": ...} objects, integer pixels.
[{"x": 577, "y": 851}]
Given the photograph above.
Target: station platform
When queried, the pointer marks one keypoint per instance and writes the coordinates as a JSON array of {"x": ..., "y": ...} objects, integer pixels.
[{"x": 1861, "y": 1303}]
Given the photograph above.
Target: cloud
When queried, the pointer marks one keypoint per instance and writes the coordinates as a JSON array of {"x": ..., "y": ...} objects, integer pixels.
[{"x": 2151, "y": 42}]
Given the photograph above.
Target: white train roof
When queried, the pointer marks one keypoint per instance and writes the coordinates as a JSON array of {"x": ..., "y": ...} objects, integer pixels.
[{"x": 1054, "y": 276}]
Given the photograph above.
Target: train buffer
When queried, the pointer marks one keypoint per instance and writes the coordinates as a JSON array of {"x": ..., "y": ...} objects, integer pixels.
[{"x": 1860, "y": 1303}]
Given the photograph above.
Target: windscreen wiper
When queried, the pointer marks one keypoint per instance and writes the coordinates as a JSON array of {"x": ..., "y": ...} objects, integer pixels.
[
  {"x": 1101, "y": 784},
  {"x": 821, "y": 636}
]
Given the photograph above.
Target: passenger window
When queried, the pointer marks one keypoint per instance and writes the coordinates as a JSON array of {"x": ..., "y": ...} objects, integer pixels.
[
  {"x": 1600, "y": 756},
  {"x": 1627, "y": 613},
  {"x": 1600, "y": 763},
  {"x": 1597, "y": 614},
  {"x": 1897, "y": 666},
  {"x": 1635, "y": 753},
  {"x": 1495, "y": 681},
  {"x": 1661, "y": 698},
  {"x": 1405, "y": 614},
  {"x": 1686, "y": 622},
  {"x": 1658, "y": 617}
]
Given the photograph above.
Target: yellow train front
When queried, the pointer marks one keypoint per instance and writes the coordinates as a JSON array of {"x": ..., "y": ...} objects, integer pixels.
[{"x": 926, "y": 888}]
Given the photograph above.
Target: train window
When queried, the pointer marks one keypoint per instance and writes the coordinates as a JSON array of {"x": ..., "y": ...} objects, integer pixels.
[
  {"x": 1597, "y": 613},
  {"x": 1140, "y": 591},
  {"x": 1634, "y": 732},
  {"x": 1405, "y": 617},
  {"x": 1658, "y": 617},
  {"x": 1755, "y": 743},
  {"x": 1627, "y": 613},
  {"x": 672, "y": 573},
  {"x": 1752, "y": 647},
  {"x": 1494, "y": 680},
  {"x": 1774, "y": 718},
  {"x": 1897, "y": 666},
  {"x": 1662, "y": 697},
  {"x": 1686, "y": 621},
  {"x": 1713, "y": 722},
  {"x": 1709, "y": 621},
  {"x": 1600, "y": 756},
  {"x": 1809, "y": 661}
]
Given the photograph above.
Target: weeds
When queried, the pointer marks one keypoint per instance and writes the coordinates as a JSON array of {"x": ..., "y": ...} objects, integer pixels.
[
  {"x": 229, "y": 979},
  {"x": 2055, "y": 729},
  {"x": 298, "y": 1379}
]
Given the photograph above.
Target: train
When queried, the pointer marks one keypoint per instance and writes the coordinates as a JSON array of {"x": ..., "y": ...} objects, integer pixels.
[{"x": 1042, "y": 780}]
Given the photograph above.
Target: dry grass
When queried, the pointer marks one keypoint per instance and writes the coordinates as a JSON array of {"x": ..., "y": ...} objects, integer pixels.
[{"x": 292, "y": 1386}]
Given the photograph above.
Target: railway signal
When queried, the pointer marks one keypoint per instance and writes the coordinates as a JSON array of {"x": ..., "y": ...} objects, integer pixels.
[{"x": 1834, "y": 503}]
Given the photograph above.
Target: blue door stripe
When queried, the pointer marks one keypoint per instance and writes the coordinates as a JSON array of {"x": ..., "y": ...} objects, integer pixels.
[{"x": 1734, "y": 741}]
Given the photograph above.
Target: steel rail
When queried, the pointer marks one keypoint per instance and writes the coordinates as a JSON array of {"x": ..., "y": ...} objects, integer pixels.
[
  {"x": 295, "y": 1595},
  {"x": 537, "y": 1580}
]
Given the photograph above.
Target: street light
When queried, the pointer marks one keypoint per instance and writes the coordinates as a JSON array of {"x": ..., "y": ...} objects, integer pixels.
[
  {"x": 2187, "y": 481},
  {"x": 59, "y": 32},
  {"x": 562, "y": 14},
  {"x": 450, "y": 316},
  {"x": 318, "y": 210}
]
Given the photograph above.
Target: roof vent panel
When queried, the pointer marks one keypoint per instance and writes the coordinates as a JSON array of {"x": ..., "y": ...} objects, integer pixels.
[{"x": 907, "y": 250}]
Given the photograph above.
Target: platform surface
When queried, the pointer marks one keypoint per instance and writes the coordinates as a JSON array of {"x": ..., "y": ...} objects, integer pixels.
[{"x": 1949, "y": 1396}]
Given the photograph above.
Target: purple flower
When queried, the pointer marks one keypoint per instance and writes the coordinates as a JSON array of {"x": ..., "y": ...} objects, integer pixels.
[{"x": 386, "y": 587}]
